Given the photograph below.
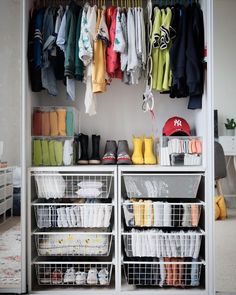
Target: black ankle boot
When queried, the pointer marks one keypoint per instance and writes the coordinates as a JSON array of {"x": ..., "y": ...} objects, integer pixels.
[
  {"x": 83, "y": 139},
  {"x": 95, "y": 159}
]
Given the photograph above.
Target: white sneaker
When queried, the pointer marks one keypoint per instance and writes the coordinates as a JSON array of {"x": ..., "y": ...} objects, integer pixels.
[
  {"x": 103, "y": 276},
  {"x": 80, "y": 278},
  {"x": 92, "y": 278},
  {"x": 69, "y": 276}
]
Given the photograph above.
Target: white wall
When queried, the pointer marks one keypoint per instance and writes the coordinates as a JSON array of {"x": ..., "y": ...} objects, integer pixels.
[
  {"x": 225, "y": 60},
  {"x": 10, "y": 80},
  {"x": 225, "y": 74}
]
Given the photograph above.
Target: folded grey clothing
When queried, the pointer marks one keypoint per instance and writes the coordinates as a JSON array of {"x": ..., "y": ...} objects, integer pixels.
[
  {"x": 90, "y": 184},
  {"x": 88, "y": 193},
  {"x": 187, "y": 217},
  {"x": 43, "y": 216},
  {"x": 167, "y": 214},
  {"x": 129, "y": 213},
  {"x": 158, "y": 208}
]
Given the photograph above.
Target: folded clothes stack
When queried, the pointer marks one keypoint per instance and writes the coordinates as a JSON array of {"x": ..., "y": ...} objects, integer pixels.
[
  {"x": 51, "y": 186},
  {"x": 145, "y": 213},
  {"x": 90, "y": 189},
  {"x": 179, "y": 151},
  {"x": 84, "y": 215},
  {"x": 71, "y": 276},
  {"x": 54, "y": 122},
  {"x": 176, "y": 272},
  {"x": 52, "y": 152},
  {"x": 156, "y": 243}
]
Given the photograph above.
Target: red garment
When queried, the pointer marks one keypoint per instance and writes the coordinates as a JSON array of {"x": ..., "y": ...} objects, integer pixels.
[
  {"x": 112, "y": 57},
  {"x": 37, "y": 123}
]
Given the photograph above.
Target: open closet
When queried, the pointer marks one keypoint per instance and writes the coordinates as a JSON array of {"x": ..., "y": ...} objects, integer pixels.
[{"x": 116, "y": 229}]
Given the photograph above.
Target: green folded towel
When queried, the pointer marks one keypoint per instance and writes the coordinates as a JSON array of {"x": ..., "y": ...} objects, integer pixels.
[
  {"x": 52, "y": 156},
  {"x": 69, "y": 123},
  {"x": 45, "y": 150},
  {"x": 37, "y": 153},
  {"x": 58, "y": 148}
]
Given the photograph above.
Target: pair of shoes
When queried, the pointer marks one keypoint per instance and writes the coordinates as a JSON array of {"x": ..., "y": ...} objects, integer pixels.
[
  {"x": 84, "y": 141},
  {"x": 116, "y": 155},
  {"x": 148, "y": 158}
]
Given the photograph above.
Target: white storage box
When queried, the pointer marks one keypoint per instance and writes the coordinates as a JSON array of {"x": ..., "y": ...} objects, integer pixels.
[
  {"x": 2, "y": 193},
  {"x": 156, "y": 243},
  {"x": 9, "y": 178},
  {"x": 162, "y": 185},
  {"x": 9, "y": 203},
  {"x": 86, "y": 215},
  {"x": 2, "y": 207},
  {"x": 168, "y": 272},
  {"x": 66, "y": 185},
  {"x": 73, "y": 244},
  {"x": 2, "y": 179},
  {"x": 9, "y": 190},
  {"x": 181, "y": 151},
  {"x": 73, "y": 273},
  {"x": 145, "y": 213}
]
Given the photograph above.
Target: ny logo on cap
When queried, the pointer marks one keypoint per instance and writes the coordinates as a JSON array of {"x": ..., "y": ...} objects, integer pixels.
[{"x": 177, "y": 123}]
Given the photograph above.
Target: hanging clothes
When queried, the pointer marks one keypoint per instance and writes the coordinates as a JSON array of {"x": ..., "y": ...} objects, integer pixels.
[
  {"x": 178, "y": 52},
  {"x": 195, "y": 56},
  {"x": 113, "y": 67},
  {"x": 99, "y": 61},
  {"x": 48, "y": 75},
  {"x": 35, "y": 37}
]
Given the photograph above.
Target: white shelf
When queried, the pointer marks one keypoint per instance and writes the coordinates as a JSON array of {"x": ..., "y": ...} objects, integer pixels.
[{"x": 159, "y": 168}]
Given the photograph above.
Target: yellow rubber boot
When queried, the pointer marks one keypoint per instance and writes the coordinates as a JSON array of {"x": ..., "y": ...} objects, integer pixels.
[
  {"x": 149, "y": 157},
  {"x": 137, "y": 157}
]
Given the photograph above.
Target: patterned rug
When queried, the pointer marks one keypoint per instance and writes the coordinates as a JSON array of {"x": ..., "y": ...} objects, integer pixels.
[{"x": 10, "y": 257}]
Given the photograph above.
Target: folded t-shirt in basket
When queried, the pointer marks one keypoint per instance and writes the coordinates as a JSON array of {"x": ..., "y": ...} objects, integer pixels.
[
  {"x": 88, "y": 192},
  {"x": 90, "y": 184}
]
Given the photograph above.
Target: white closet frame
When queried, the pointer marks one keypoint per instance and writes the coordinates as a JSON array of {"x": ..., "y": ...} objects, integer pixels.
[{"x": 208, "y": 165}]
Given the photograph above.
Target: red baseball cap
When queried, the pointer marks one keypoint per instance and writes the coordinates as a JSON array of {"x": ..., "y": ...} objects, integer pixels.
[{"x": 176, "y": 126}]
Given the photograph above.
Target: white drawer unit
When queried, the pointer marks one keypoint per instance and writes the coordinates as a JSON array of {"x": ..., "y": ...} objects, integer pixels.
[
  {"x": 229, "y": 145},
  {"x": 6, "y": 194},
  {"x": 73, "y": 228}
]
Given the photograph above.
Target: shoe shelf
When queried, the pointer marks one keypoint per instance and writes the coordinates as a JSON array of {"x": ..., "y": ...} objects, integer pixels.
[
  {"x": 162, "y": 229},
  {"x": 73, "y": 273},
  {"x": 73, "y": 228}
]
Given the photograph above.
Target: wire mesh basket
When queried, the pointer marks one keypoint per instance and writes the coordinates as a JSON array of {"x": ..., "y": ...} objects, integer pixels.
[
  {"x": 61, "y": 185},
  {"x": 73, "y": 244},
  {"x": 86, "y": 215},
  {"x": 145, "y": 213},
  {"x": 155, "y": 243},
  {"x": 77, "y": 274},
  {"x": 162, "y": 185},
  {"x": 181, "y": 151},
  {"x": 167, "y": 272}
]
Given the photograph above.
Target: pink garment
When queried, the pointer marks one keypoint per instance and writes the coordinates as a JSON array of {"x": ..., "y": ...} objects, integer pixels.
[{"x": 112, "y": 57}]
